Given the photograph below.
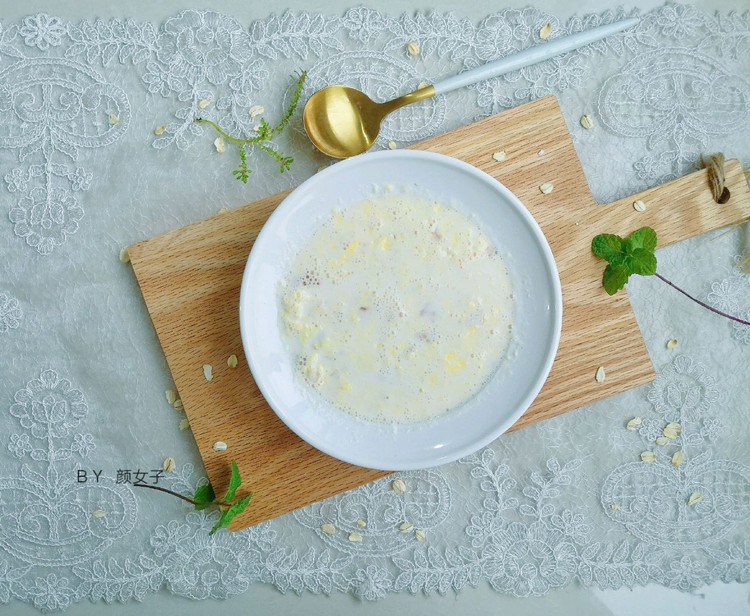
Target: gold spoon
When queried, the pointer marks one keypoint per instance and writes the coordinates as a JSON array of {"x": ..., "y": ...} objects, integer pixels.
[{"x": 342, "y": 121}]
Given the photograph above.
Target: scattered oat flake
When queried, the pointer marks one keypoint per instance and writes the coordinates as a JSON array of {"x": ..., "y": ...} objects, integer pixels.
[
  {"x": 355, "y": 537},
  {"x": 328, "y": 529},
  {"x": 113, "y": 119},
  {"x": 546, "y": 188},
  {"x": 420, "y": 535},
  {"x": 639, "y": 206},
  {"x": 695, "y": 497},
  {"x": 98, "y": 513},
  {"x": 160, "y": 129},
  {"x": 232, "y": 361},
  {"x": 634, "y": 423},
  {"x": 256, "y": 110},
  {"x": 600, "y": 374},
  {"x": 422, "y": 84},
  {"x": 223, "y": 210},
  {"x": 203, "y": 103},
  {"x": 220, "y": 146},
  {"x": 413, "y": 48},
  {"x": 545, "y": 31},
  {"x": 361, "y": 523},
  {"x": 171, "y": 396},
  {"x": 208, "y": 372},
  {"x": 672, "y": 343},
  {"x": 499, "y": 156},
  {"x": 220, "y": 446},
  {"x": 124, "y": 256},
  {"x": 398, "y": 486},
  {"x": 184, "y": 424},
  {"x": 178, "y": 404},
  {"x": 586, "y": 121},
  {"x": 406, "y": 527},
  {"x": 662, "y": 440},
  {"x": 169, "y": 465},
  {"x": 614, "y": 507},
  {"x": 392, "y": 145},
  {"x": 677, "y": 458},
  {"x": 672, "y": 430},
  {"x": 648, "y": 456}
]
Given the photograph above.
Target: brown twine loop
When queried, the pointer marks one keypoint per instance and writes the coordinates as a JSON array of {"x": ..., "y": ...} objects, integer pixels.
[{"x": 714, "y": 165}]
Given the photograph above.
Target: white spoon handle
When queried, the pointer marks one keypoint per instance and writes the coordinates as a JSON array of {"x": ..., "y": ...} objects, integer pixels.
[{"x": 532, "y": 55}]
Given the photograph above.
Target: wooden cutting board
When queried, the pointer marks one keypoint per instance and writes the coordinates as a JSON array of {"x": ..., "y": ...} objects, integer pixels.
[{"x": 190, "y": 279}]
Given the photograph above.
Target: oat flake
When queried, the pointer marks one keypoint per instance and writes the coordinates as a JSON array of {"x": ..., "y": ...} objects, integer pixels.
[{"x": 634, "y": 423}]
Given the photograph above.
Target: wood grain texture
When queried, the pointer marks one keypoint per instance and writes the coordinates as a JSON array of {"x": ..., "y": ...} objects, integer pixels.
[{"x": 190, "y": 279}]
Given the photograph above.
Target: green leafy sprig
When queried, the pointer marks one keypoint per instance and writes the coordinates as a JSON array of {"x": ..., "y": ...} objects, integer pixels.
[
  {"x": 635, "y": 255},
  {"x": 264, "y": 133},
  {"x": 204, "y": 497},
  {"x": 625, "y": 256}
]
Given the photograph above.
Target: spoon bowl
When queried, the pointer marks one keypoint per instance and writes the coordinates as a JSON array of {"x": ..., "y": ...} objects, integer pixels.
[{"x": 343, "y": 122}]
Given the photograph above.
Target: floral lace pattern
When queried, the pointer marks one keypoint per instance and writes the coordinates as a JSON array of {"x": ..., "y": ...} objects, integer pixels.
[
  {"x": 49, "y": 109},
  {"x": 46, "y": 517},
  {"x": 567, "y": 501},
  {"x": 10, "y": 313}
]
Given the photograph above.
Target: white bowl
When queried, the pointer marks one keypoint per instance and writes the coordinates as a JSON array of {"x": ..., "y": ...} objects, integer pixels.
[{"x": 505, "y": 397}]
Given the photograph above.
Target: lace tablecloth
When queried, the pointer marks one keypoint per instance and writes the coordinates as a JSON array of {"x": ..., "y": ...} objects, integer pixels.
[{"x": 83, "y": 378}]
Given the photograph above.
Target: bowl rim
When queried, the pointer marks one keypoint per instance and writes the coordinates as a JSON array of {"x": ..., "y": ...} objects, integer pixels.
[{"x": 541, "y": 243}]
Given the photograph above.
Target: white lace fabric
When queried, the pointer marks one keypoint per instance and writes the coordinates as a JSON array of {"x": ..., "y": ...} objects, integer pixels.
[{"x": 99, "y": 149}]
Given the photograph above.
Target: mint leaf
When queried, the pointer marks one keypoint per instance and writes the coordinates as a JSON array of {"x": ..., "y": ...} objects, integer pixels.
[
  {"x": 641, "y": 261},
  {"x": 645, "y": 238},
  {"x": 229, "y": 514},
  {"x": 606, "y": 245},
  {"x": 632, "y": 255},
  {"x": 234, "y": 482},
  {"x": 615, "y": 277},
  {"x": 204, "y": 495}
]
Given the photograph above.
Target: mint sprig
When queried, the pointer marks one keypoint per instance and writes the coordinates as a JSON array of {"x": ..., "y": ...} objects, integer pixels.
[
  {"x": 264, "y": 133},
  {"x": 625, "y": 256},
  {"x": 635, "y": 255},
  {"x": 204, "y": 497}
]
